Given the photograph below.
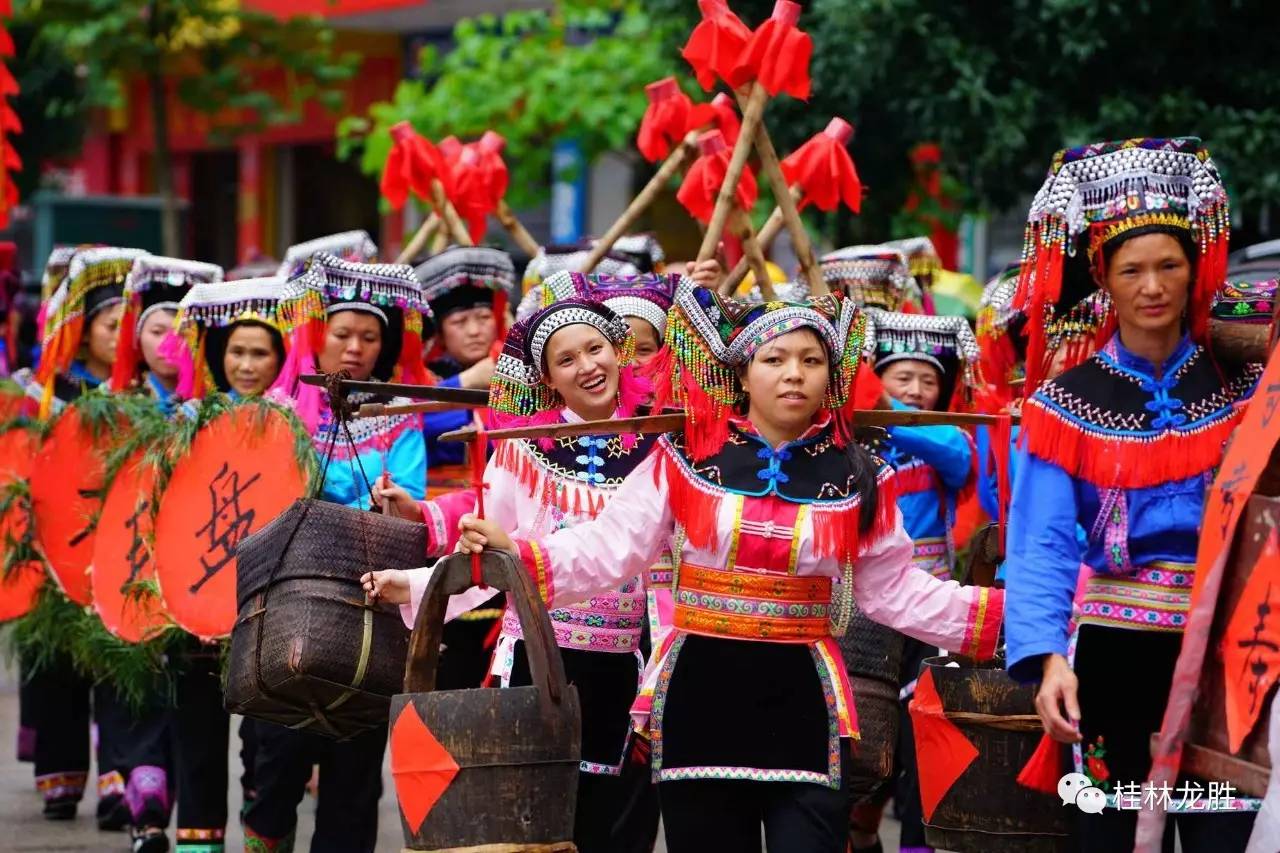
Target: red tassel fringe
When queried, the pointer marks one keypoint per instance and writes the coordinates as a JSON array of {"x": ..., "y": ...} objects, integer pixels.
[
  {"x": 1044, "y": 768},
  {"x": 126, "y": 364},
  {"x": 1111, "y": 463},
  {"x": 538, "y": 484},
  {"x": 835, "y": 531}
]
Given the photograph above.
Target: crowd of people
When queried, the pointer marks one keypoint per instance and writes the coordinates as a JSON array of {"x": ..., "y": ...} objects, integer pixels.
[{"x": 699, "y": 581}]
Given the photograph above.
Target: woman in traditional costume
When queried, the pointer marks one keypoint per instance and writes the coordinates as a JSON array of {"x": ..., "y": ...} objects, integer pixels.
[
  {"x": 82, "y": 320},
  {"x": 232, "y": 344},
  {"x": 365, "y": 320},
  {"x": 135, "y": 742},
  {"x": 467, "y": 288},
  {"x": 922, "y": 361},
  {"x": 873, "y": 277},
  {"x": 773, "y": 513},
  {"x": 1123, "y": 445}
]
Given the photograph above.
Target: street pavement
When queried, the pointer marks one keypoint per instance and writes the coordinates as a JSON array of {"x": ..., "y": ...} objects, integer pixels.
[{"x": 24, "y": 830}]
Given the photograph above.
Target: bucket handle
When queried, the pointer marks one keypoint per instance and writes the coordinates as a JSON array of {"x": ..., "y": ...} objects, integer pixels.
[{"x": 501, "y": 571}]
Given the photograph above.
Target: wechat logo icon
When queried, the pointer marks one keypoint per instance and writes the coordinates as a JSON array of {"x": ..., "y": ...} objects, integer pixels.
[{"x": 1075, "y": 788}]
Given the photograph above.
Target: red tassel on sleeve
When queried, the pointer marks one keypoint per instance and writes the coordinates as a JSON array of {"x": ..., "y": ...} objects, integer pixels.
[
  {"x": 716, "y": 42},
  {"x": 777, "y": 55},
  {"x": 702, "y": 181},
  {"x": 824, "y": 169},
  {"x": 1044, "y": 768},
  {"x": 666, "y": 120}
]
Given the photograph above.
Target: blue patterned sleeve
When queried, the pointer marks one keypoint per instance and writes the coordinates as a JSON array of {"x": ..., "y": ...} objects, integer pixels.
[{"x": 1042, "y": 564}]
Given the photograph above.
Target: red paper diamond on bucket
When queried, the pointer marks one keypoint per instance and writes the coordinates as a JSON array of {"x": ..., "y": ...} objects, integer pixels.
[{"x": 421, "y": 766}]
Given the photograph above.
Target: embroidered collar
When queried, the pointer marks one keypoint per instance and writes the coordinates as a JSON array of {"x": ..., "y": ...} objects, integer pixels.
[
  {"x": 813, "y": 469},
  {"x": 598, "y": 461},
  {"x": 1115, "y": 352}
]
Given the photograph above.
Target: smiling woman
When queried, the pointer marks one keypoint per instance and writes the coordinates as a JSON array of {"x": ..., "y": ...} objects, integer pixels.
[{"x": 765, "y": 501}]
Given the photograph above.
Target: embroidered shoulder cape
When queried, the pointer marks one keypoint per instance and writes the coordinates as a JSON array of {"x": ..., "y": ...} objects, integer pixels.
[{"x": 1111, "y": 423}]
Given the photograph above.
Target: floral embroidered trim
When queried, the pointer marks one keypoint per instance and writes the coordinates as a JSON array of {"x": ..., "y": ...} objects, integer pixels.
[
  {"x": 1154, "y": 598},
  {"x": 931, "y": 554},
  {"x": 601, "y": 769},
  {"x": 750, "y": 774},
  {"x": 187, "y": 834},
  {"x": 111, "y": 784},
  {"x": 55, "y": 786}
]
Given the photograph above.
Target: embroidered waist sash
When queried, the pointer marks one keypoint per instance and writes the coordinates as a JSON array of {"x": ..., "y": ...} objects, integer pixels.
[
  {"x": 1152, "y": 598},
  {"x": 606, "y": 623},
  {"x": 748, "y": 606},
  {"x": 930, "y": 555}
]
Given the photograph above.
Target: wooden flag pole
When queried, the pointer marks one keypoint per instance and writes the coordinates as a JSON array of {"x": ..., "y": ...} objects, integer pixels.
[
  {"x": 676, "y": 160},
  {"x": 508, "y": 219},
  {"x": 800, "y": 240},
  {"x": 752, "y": 252},
  {"x": 726, "y": 200},
  {"x": 768, "y": 233},
  {"x": 457, "y": 229},
  {"x": 420, "y": 237}
]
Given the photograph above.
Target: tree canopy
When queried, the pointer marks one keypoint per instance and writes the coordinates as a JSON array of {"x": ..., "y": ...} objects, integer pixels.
[
  {"x": 998, "y": 87},
  {"x": 575, "y": 71}
]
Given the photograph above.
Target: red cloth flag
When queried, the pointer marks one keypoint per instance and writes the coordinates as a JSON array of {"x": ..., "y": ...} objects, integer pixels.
[
  {"x": 824, "y": 169},
  {"x": 703, "y": 180},
  {"x": 777, "y": 55}
]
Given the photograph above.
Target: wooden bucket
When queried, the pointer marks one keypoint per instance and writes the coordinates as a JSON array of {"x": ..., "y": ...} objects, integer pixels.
[
  {"x": 986, "y": 810},
  {"x": 872, "y": 657},
  {"x": 508, "y": 759},
  {"x": 1206, "y": 753}
]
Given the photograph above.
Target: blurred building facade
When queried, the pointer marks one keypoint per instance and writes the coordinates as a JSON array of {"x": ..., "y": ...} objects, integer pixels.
[{"x": 253, "y": 196}]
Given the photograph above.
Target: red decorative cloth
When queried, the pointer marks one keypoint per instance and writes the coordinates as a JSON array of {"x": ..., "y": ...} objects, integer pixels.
[
  {"x": 480, "y": 181},
  {"x": 703, "y": 180},
  {"x": 412, "y": 164},
  {"x": 666, "y": 120},
  {"x": 420, "y": 765},
  {"x": 777, "y": 55},
  {"x": 716, "y": 42},
  {"x": 720, "y": 114},
  {"x": 945, "y": 752},
  {"x": 824, "y": 169}
]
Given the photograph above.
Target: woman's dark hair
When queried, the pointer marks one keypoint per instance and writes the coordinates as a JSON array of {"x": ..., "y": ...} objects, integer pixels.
[
  {"x": 865, "y": 468},
  {"x": 215, "y": 349}
]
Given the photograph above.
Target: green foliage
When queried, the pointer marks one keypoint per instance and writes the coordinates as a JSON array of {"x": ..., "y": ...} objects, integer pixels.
[
  {"x": 206, "y": 48},
  {"x": 577, "y": 71},
  {"x": 1004, "y": 85}
]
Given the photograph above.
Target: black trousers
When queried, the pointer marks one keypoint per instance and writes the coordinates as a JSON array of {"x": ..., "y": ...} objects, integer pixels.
[
  {"x": 350, "y": 787},
  {"x": 636, "y": 830},
  {"x": 137, "y": 744},
  {"x": 202, "y": 731},
  {"x": 906, "y": 787},
  {"x": 59, "y": 709},
  {"x": 726, "y": 815},
  {"x": 26, "y": 720},
  {"x": 1124, "y": 685}
]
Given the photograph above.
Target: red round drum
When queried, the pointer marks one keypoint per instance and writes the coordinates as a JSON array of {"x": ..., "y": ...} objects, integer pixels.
[
  {"x": 241, "y": 472},
  {"x": 17, "y": 591},
  {"x": 66, "y": 484},
  {"x": 122, "y": 554}
]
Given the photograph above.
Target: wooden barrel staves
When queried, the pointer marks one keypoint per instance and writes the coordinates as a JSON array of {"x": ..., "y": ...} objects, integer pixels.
[
  {"x": 486, "y": 769},
  {"x": 973, "y": 742}
]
